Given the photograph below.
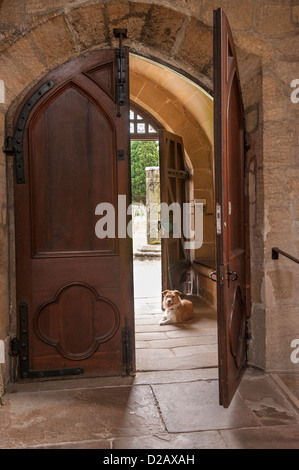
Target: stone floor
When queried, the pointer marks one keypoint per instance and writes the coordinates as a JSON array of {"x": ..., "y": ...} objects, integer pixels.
[{"x": 171, "y": 403}]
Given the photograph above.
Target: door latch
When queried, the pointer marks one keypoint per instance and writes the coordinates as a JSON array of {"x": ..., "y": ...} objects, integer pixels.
[
  {"x": 213, "y": 275},
  {"x": 231, "y": 273}
]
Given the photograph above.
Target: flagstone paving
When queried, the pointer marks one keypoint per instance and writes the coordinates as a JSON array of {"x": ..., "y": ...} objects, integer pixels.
[{"x": 171, "y": 402}]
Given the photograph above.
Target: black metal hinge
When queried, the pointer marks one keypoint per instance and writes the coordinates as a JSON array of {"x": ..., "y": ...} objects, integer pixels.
[
  {"x": 20, "y": 347},
  {"x": 14, "y": 145},
  {"x": 121, "y": 70},
  {"x": 127, "y": 348}
]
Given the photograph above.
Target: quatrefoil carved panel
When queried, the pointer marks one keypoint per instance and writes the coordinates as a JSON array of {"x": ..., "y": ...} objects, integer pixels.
[{"x": 76, "y": 321}]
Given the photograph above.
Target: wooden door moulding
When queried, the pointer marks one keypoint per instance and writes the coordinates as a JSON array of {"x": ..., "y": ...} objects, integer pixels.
[{"x": 95, "y": 340}]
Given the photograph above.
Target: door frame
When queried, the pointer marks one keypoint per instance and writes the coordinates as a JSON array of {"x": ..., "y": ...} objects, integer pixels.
[{"x": 12, "y": 273}]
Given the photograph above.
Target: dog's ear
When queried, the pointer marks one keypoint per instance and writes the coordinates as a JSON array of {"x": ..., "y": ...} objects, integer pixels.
[
  {"x": 178, "y": 292},
  {"x": 165, "y": 292}
]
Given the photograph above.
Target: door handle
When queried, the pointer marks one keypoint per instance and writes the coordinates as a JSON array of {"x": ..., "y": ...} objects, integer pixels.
[
  {"x": 213, "y": 275},
  {"x": 231, "y": 273},
  {"x": 235, "y": 278}
]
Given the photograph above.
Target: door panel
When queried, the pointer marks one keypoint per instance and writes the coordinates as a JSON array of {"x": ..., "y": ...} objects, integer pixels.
[
  {"x": 77, "y": 288},
  {"x": 230, "y": 205},
  {"x": 62, "y": 214},
  {"x": 174, "y": 180}
]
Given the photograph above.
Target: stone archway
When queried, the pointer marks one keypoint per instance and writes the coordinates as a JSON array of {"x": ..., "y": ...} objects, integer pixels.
[{"x": 185, "y": 109}]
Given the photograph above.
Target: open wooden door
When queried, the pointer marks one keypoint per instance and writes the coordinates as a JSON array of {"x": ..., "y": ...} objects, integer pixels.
[
  {"x": 74, "y": 288},
  {"x": 174, "y": 193},
  {"x": 230, "y": 211}
]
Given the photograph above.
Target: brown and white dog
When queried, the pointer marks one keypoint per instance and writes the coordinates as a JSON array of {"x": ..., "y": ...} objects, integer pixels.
[{"x": 175, "y": 309}]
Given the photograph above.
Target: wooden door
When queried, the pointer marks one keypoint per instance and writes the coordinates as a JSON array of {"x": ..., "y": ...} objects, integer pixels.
[
  {"x": 74, "y": 289},
  {"x": 173, "y": 183},
  {"x": 230, "y": 211}
]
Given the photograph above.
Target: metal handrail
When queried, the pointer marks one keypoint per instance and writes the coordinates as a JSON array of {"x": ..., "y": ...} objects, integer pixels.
[{"x": 277, "y": 251}]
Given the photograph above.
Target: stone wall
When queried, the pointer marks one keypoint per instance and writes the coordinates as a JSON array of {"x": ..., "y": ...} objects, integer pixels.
[{"x": 38, "y": 35}]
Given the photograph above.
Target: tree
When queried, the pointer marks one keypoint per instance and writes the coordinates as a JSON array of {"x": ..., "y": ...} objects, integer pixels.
[{"x": 144, "y": 153}]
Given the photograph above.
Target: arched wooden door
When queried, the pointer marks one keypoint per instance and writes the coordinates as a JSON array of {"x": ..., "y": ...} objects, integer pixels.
[
  {"x": 233, "y": 294},
  {"x": 74, "y": 289}
]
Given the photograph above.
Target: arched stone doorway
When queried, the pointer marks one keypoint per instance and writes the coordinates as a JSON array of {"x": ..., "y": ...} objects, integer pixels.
[
  {"x": 54, "y": 39},
  {"x": 183, "y": 108},
  {"x": 186, "y": 109}
]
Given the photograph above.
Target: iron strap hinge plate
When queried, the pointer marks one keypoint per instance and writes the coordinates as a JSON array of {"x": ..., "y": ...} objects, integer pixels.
[
  {"x": 14, "y": 145},
  {"x": 121, "y": 70},
  {"x": 127, "y": 348},
  {"x": 21, "y": 347}
]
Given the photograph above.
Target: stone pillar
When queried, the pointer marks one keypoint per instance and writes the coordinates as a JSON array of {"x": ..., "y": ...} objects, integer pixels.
[{"x": 153, "y": 215}]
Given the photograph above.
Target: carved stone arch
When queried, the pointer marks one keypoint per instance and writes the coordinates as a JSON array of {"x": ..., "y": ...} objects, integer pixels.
[{"x": 64, "y": 35}]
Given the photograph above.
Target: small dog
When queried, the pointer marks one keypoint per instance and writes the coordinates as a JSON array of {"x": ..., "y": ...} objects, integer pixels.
[{"x": 176, "y": 309}]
